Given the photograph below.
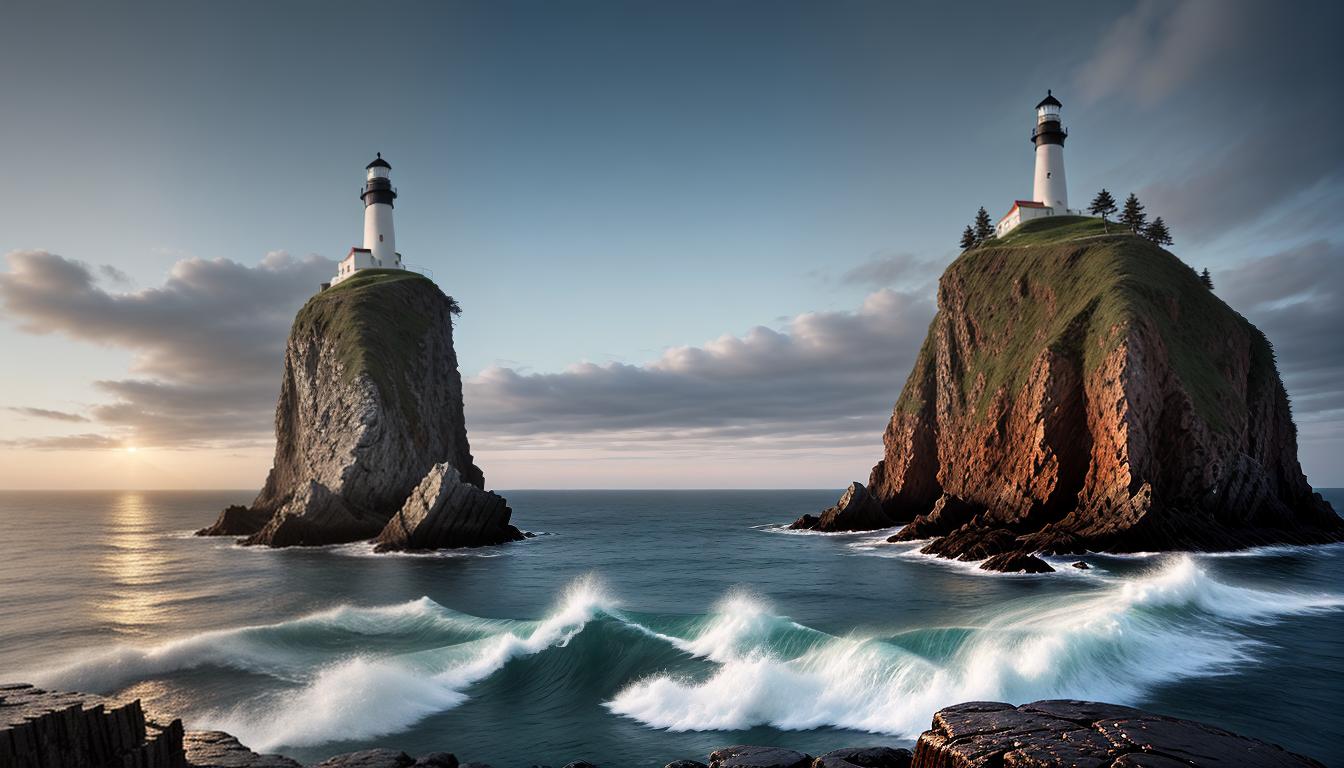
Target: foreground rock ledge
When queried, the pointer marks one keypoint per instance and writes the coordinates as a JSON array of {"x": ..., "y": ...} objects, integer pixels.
[{"x": 47, "y": 729}]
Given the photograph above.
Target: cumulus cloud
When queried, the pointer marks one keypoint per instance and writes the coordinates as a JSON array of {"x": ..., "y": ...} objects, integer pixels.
[
  {"x": 1160, "y": 45},
  {"x": 207, "y": 343},
  {"x": 46, "y": 413},
  {"x": 1297, "y": 298},
  {"x": 824, "y": 375}
]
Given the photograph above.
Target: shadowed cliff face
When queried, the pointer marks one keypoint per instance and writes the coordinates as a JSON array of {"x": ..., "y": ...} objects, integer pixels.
[
  {"x": 371, "y": 401},
  {"x": 1092, "y": 395}
]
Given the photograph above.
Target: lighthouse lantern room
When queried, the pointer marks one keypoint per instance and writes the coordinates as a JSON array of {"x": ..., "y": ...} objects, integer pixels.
[
  {"x": 380, "y": 240},
  {"x": 1050, "y": 193}
]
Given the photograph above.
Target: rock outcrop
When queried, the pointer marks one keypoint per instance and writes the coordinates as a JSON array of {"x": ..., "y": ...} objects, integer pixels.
[
  {"x": 446, "y": 511},
  {"x": 857, "y": 510},
  {"x": 988, "y": 734},
  {"x": 48, "y": 729},
  {"x": 370, "y": 403},
  {"x": 1092, "y": 395}
]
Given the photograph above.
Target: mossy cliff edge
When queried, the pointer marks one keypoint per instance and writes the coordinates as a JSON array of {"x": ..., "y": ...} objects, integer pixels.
[
  {"x": 370, "y": 408},
  {"x": 1083, "y": 390}
]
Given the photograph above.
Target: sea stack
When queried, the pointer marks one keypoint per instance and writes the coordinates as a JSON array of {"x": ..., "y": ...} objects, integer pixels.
[
  {"x": 1086, "y": 391},
  {"x": 370, "y": 409}
]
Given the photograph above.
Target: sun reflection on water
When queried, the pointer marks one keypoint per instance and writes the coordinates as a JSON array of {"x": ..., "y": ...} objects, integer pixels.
[{"x": 138, "y": 568}]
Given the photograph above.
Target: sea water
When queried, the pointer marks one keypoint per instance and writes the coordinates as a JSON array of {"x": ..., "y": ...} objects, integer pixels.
[{"x": 640, "y": 627}]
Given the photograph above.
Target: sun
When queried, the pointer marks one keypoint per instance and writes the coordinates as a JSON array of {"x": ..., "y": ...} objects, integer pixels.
[{"x": 130, "y": 449}]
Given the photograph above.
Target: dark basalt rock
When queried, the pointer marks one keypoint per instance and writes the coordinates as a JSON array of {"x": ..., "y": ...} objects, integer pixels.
[
  {"x": 1016, "y": 562},
  {"x": 1084, "y": 734},
  {"x": 580, "y": 764},
  {"x": 972, "y": 542},
  {"x": 745, "y": 756},
  {"x": 217, "y": 749},
  {"x": 369, "y": 758},
  {"x": 865, "y": 757},
  {"x": 1082, "y": 566},
  {"x": 856, "y": 510},
  {"x": 685, "y": 764}
]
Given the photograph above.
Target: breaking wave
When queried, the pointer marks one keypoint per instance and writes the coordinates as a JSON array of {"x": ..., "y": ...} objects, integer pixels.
[{"x": 360, "y": 672}]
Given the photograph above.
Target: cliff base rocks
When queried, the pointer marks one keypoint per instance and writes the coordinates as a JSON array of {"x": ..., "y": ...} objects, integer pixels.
[
  {"x": 857, "y": 510},
  {"x": 444, "y": 511}
]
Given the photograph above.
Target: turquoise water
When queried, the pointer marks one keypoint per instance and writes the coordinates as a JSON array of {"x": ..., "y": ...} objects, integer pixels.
[{"x": 644, "y": 627}]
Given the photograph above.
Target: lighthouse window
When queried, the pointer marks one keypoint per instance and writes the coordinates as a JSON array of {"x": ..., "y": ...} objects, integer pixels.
[
  {"x": 380, "y": 238},
  {"x": 1048, "y": 174}
]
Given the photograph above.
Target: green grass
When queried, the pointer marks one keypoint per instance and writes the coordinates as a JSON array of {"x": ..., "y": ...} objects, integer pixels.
[
  {"x": 375, "y": 321},
  {"x": 1079, "y": 297},
  {"x": 1053, "y": 229}
]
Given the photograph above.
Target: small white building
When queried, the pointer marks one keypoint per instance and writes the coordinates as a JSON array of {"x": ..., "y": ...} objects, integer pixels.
[
  {"x": 1050, "y": 190},
  {"x": 380, "y": 239}
]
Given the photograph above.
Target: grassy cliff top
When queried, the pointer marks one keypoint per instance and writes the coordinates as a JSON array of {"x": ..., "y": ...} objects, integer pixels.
[
  {"x": 1063, "y": 283},
  {"x": 375, "y": 320}
]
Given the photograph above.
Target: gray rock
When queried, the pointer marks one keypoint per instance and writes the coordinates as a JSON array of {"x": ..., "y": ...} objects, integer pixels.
[
  {"x": 865, "y": 757},
  {"x": 217, "y": 749},
  {"x": 443, "y": 511},
  {"x": 685, "y": 764},
  {"x": 370, "y": 402},
  {"x": 369, "y": 758},
  {"x": 856, "y": 510},
  {"x": 746, "y": 756}
]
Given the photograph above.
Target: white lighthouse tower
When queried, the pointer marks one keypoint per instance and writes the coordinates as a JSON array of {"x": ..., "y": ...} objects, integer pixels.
[
  {"x": 1050, "y": 189},
  {"x": 380, "y": 239}
]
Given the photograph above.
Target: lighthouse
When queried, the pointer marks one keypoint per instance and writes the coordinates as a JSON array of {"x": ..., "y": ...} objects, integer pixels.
[
  {"x": 1050, "y": 191},
  {"x": 1050, "y": 187},
  {"x": 380, "y": 239}
]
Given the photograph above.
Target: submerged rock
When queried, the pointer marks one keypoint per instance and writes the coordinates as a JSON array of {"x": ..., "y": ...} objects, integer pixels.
[
  {"x": 857, "y": 510},
  {"x": 1016, "y": 562},
  {"x": 744, "y": 756},
  {"x": 370, "y": 403},
  {"x": 865, "y": 757},
  {"x": 443, "y": 511},
  {"x": 984, "y": 734},
  {"x": 1092, "y": 396}
]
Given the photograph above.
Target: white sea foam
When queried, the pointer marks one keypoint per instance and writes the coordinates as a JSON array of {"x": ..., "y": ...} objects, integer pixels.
[{"x": 1174, "y": 622}]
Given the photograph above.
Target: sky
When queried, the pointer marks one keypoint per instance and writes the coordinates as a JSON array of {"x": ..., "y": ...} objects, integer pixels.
[{"x": 695, "y": 243}]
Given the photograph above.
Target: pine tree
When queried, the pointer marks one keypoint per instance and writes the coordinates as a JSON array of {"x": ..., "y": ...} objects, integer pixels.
[
  {"x": 1206, "y": 278},
  {"x": 1157, "y": 232},
  {"x": 1103, "y": 205},
  {"x": 967, "y": 239},
  {"x": 984, "y": 228},
  {"x": 1133, "y": 215}
]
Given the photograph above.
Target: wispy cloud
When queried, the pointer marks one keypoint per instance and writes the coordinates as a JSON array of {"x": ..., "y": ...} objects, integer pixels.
[{"x": 46, "y": 413}]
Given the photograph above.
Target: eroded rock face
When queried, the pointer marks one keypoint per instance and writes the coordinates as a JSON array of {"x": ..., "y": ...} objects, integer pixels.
[
  {"x": 745, "y": 756},
  {"x": 987, "y": 734},
  {"x": 445, "y": 511},
  {"x": 1092, "y": 396},
  {"x": 370, "y": 402},
  {"x": 857, "y": 510}
]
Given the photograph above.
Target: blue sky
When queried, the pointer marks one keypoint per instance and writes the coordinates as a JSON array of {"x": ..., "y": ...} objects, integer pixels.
[{"x": 598, "y": 182}]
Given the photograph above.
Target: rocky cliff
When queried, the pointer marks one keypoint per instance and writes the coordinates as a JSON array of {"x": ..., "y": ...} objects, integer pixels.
[
  {"x": 370, "y": 403},
  {"x": 1086, "y": 391}
]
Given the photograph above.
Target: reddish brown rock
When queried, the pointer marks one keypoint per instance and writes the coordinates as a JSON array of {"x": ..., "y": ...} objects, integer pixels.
[{"x": 1092, "y": 395}]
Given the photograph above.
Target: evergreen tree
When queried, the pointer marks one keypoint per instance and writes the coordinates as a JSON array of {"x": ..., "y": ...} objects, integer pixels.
[
  {"x": 1157, "y": 232},
  {"x": 984, "y": 228},
  {"x": 1206, "y": 278},
  {"x": 967, "y": 239},
  {"x": 1103, "y": 205},
  {"x": 1133, "y": 215}
]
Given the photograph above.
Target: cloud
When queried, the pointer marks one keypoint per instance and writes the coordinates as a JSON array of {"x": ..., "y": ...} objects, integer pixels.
[
  {"x": 83, "y": 442},
  {"x": 207, "y": 344},
  {"x": 1297, "y": 298},
  {"x": 1160, "y": 45},
  {"x": 891, "y": 269},
  {"x": 825, "y": 375},
  {"x": 46, "y": 413}
]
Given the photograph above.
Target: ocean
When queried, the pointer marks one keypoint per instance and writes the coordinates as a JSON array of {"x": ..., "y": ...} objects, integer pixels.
[{"x": 640, "y": 627}]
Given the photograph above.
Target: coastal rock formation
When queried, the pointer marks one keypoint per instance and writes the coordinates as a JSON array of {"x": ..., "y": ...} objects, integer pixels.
[
  {"x": 217, "y": 749},
  {"x": 857, "y": 510},
  {"x": 370, "y": 403},
  {"x": 45, "y": 729},
  {"x": 1092, "y": 394},
  {"x": 987, "y": 734},
  {"x": 445, "y": 511},
  {"x": 745, "y": 756}
]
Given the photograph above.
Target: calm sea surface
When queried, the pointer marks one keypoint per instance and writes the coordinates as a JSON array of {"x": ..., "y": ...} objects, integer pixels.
[{"x": 644, "y": 627}]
